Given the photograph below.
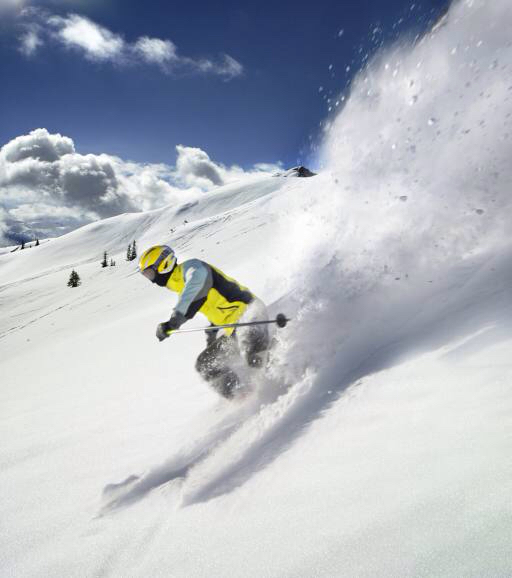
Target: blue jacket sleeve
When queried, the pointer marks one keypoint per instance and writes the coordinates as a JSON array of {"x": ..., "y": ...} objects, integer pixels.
[{"x": 198, "y": 281}]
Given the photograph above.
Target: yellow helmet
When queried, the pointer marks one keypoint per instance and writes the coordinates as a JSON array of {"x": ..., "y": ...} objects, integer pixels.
[{"x": 158, "y": 259}]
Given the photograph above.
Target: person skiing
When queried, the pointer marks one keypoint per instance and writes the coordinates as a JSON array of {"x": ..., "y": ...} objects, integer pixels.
[{"x": 222, "y": 300}]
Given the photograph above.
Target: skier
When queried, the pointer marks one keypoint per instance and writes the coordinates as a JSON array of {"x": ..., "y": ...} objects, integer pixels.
[{"x": 205, "y": 289}]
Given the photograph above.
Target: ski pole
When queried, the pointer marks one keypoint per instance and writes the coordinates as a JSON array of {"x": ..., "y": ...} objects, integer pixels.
[{"x": 281, "y": 320}]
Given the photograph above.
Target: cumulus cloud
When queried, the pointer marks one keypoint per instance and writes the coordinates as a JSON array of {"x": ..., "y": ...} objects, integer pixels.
[
  {"x": 39, "y": 145},
  {"x": 47, "y": 188},
  {"x": 90, "y": 181},
  {"x": 43, "y": 180},
  {"x": 97, "y": 43},
  {"x": 195, "y": 168}
]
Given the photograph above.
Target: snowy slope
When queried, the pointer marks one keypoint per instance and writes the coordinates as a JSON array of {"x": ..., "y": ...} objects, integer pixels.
[{"x": 380, "y": 443}]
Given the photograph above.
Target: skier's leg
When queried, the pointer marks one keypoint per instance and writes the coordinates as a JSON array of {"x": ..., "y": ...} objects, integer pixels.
[
  {"x": 213, "y": 365},
  {"x": 226, "y": 383},
  {"x": 254, "y": 341}
]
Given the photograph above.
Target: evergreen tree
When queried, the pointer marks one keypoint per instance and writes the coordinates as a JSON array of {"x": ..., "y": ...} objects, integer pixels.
[
  {"x": 74, "y": 279},
  {"x": 37, "y": 242},
  {"x": 22, "y": 245},
  {"x": 104, "y": 263},
  {"x": 131, "y": 252},
  {"x": 112, "y": 263}
]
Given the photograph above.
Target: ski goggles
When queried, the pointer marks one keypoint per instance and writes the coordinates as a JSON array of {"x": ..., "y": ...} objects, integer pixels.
[{"x": 150, "y": 273}]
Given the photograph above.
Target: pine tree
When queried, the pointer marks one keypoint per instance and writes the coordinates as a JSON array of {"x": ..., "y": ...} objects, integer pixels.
[
  {"x": 112, "y": 263},
  {"x": 37, "y": 242},
  {"x": 131, "y": 252},
  {"x": 74, "y": 279},
  {"x": 104, "y": 263},
  {"x": 22, "y": 245}
]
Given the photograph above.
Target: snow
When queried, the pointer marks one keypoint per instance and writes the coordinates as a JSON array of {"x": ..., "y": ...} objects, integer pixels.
[{"x": 379, "y": 443}]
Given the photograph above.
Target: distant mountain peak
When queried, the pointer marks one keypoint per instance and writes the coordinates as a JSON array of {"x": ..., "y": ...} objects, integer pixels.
[{"x": 299, "y": 171}]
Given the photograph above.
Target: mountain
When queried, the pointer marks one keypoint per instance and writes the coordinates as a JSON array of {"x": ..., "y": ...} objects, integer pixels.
[{"x": 299, "y": 171}]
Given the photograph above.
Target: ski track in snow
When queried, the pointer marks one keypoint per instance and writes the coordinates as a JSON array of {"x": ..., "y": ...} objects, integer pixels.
[
  {"x": 135, "y": 487},
  {"x": 230, "y": 417}
]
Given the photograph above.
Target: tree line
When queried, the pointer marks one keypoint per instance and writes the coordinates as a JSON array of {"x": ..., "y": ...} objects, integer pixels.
[{"x": 24, "y": 246}]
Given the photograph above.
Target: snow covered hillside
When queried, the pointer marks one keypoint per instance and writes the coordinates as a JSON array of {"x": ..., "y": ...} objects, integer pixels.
[{"x": 378, "y": 445}]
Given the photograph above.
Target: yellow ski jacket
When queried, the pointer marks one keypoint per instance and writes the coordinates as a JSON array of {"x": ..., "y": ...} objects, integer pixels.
[{"x": 206, "y": 289}]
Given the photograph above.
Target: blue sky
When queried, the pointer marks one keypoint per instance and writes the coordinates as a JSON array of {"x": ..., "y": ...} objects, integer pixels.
[
  {"x": 265, "y": 114},
  {"x": 110, "y": 106}
]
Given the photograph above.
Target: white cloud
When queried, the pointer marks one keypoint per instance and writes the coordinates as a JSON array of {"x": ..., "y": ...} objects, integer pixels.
[
  {"x": 230, "y": 67},
  {"x": 90, "y": 181},
  {"x": 40, "y": 145},
  {"x": 195, "y": 168},
  {"x": 47, "y": 188},
  {"x": 30, "y": 41},
  {"x": 44, "y": 168},
  {"x": 11, "y": 5},
  {"x": 98, "y": 43},
  {"x": 95, "y": 41},
  {"x": 41, "y": 211},
  {"x": 4, "y": 227},
  {"x": 155, "y": 50},
  {"x": 227, "y": 67}
]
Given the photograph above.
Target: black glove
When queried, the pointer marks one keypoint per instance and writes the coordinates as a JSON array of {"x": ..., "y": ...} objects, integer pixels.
[{"x": 164, "y": 330}]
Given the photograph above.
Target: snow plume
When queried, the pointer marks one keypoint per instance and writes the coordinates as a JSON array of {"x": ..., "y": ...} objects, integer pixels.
[
  {"x": 415, "y": 195},
  {"x": 417, "y": 164},
  {"x": 47, "y": 188},
  {"x": 407, "y": 246},
  {"x": 422, "y": 148}
]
